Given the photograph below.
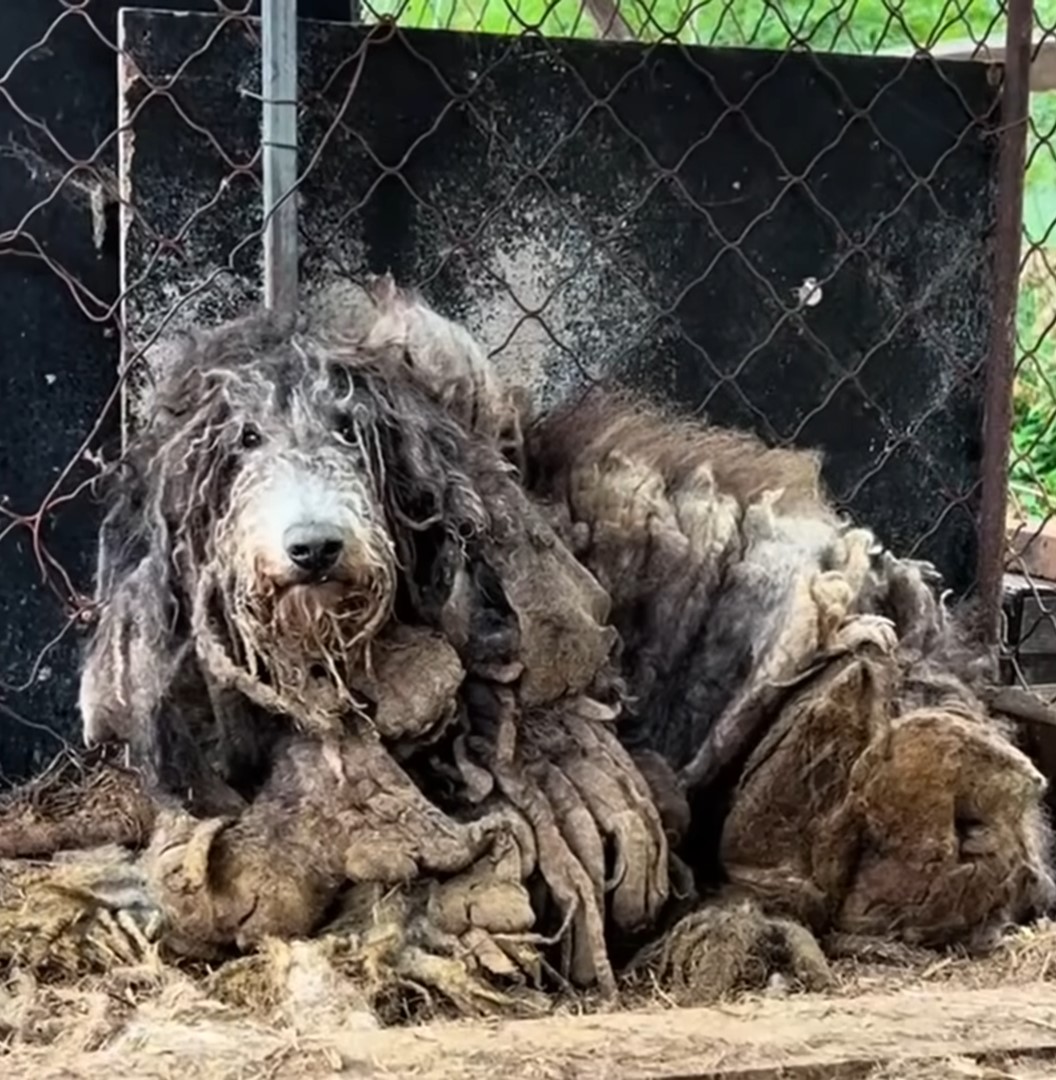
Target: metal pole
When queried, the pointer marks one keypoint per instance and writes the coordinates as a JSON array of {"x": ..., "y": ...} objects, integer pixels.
[
  {"x": 1001, "y": 361},
  {"x": 279, "y": 94}
]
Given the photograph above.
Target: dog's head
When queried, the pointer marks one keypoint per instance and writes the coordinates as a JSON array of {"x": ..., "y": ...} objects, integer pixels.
[
  {"x": 280, "y": 498},
  {"x": 298, "y": 540}
]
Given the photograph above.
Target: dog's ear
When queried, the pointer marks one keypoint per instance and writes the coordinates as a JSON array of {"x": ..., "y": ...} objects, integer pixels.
[
  {"x": 428, "y": 482},
  {"x": 132, "y": 642},
  {"x": 439, "y": 489},
  {"x": 140, "y": 683}
]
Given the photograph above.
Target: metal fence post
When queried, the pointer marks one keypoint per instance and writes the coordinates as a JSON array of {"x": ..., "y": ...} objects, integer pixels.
[
  {"x": 1001, "y": 360},
  {"x": 279, "y": 94}
]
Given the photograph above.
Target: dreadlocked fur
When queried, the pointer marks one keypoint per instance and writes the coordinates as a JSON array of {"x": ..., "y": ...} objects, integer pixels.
[
  {"x": 757, "y": 626},
  {"x": 447, "y": 664},
  {"x": 388, "y": 321},
  {"x": 723, "y": 555},
  {"x": 251, "y": 430},
  {"x": 537, "y": 658},
  {"x": 782, "y": 661}
]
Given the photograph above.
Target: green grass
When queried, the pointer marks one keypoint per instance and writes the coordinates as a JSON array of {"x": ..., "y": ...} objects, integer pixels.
[
  {"x": 1033, "y": 469},
  {"x": 856, "y": 26},
  {"x": 847, "y": 25}
]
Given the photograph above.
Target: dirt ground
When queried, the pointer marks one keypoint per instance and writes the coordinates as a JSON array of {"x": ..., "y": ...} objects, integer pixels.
[{"x": 896, "y": 1015}]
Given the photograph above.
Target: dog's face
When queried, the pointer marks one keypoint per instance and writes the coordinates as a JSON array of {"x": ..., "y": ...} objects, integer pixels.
[
  {"x": 281, "y": 495},
  {"x": 273, "y": 475},
  {"x": 284, "y": 496},
  {"x": 302, "y": 534}
]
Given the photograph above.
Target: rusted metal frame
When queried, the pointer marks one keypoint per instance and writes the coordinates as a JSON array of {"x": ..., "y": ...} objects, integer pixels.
[{"x": 1001, "y": 360}]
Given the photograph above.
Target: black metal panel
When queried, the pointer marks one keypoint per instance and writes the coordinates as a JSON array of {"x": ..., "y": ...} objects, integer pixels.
[
  {"x": 660, "y": 180},
  {"x": 59, "y": 348},
  {"x": 593, "y": 211}
]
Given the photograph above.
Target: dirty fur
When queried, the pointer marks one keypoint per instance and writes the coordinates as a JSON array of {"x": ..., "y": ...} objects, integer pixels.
[
  {"x": 922, "y": 826},
  {"x": 393, "y": 322},
  {"x": 435, "y": 696},
  {"x": 559, "y": 679},
  {"x": 727, "y": 567},
  {"x": 821, "y": 705},
  {"x": 731, "y": 947}
]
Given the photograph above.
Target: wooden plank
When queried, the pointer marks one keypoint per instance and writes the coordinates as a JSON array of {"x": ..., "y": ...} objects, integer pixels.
[
  {"x": 813, "y": 1036},
  {"x": 1030, "y": 591},
  {"x": 1044, "y": 690},
  {"x": 1032, "y": 551},
  {"x": 1042, "y": 68},
  {"x": 806, "y": 1036}
]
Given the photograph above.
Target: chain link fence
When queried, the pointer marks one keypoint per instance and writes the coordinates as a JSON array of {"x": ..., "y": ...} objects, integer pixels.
[{"x": 809, "y": 229}]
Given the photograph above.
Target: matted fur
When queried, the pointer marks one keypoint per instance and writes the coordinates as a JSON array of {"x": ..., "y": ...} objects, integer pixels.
[
  {"x": 739, "y": 595},
  {"x": 727, "y": 567},
  {"x": 442, "y": 718},
  {"x": 396, "y": 324},
  {"x": 184, "y": 564},
  {"x": 285, "y": 704}
]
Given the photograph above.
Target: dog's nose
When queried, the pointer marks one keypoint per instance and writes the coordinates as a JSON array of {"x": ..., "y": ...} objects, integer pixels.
[{"x": 314, "y": 548}]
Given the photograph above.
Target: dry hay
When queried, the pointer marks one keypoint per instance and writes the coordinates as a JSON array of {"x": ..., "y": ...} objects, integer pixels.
[
  {"x": 297, "y": 1014},
  {"x": 83, "y": 977},
  {"x": 78, "y": 801},
  {"x": 93, "y": 997},
  {"x": 1022, "y": 955},
  {"x": 139, "y": 1023}
]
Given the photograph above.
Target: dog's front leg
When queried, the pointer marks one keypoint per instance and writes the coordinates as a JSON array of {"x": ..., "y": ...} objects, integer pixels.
[{"x": 274, "y": 870}]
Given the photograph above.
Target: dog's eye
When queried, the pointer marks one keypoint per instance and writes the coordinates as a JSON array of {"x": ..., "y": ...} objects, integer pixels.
[
  {"x": 345, "y": 430},
  {"x": 250, "y": 437}
]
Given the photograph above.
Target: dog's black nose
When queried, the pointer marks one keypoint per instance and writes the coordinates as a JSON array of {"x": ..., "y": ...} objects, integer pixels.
[{"x": 313, "y": 548}]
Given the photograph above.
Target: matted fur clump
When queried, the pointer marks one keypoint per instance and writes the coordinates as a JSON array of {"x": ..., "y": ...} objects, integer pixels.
[
  {"x": 818, "y": 701},
  {"x": 346, "y": 648},
  {"x": 485, "y": 704}
]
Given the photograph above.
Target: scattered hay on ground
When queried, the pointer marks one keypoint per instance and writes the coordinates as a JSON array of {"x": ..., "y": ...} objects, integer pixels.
[
  {"x": 84, "y": 912},
  {"x": 81, "y": 800},
  {"x": 1023, "y": 955},
  {"x": 294, "y": 1008}
]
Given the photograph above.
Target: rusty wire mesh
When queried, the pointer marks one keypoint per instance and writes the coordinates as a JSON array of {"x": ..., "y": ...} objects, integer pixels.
[
  {"x": 65, "y": 129},
  {"x": 1031, "y": 640},
  {"x": 122, "y": 139}
]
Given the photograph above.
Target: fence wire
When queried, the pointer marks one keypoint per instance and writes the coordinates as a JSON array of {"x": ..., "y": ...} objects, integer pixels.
[{"x": 130, "y": 207}]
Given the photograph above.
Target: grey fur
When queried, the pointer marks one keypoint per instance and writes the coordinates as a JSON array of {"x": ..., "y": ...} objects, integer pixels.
[
  {"x": 733, "y": 586},
  {"x": 200, "y": 611}
]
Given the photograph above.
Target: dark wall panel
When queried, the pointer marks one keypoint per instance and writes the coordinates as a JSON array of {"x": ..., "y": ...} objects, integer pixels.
[
  {"x": 59, "y": 346},
  {"x": 593, "y": 212}
]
